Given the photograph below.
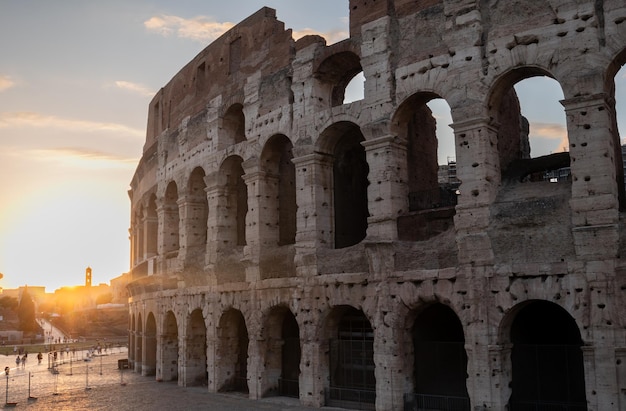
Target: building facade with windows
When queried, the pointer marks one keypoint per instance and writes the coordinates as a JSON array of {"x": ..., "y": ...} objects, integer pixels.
[{"x": 285, "y": 242}]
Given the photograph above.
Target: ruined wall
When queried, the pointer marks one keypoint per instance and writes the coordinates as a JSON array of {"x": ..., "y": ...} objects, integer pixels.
[{"x": 252, "y": 135}]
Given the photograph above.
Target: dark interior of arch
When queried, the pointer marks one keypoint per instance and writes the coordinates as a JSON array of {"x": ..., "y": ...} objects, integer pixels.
[
  {"x": 290, "y": 357},
  {"x": 350, "y": 170},
  {"x": 440, "y": 358},
  {"x": 547, "y": 359},
  {"x": 352, "y": 376},
  {"x": 170, "y": 348}
]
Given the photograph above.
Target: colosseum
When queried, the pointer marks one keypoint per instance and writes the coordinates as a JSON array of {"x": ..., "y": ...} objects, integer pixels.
[{"x": 286, "y": 242}]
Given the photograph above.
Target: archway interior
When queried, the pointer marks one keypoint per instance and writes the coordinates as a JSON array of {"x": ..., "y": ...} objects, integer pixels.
[
  {"x": 440, "y": 360},
  {"x": 350, "y": 170},
  {"x": 290, "y": 357},
  {"x": 532, "y": 132},
  {"x": 196, "y": 363},
  {"x": 151, "y": 345},
  {"x": 170, "y": 348},
  {"x": 171, "y": 220},
  {"x": 198, "y": 217},
  {"x": 233, "y": 352},
  {"x": 352, "y": 379},
  {"x": 547, "y": 359}
]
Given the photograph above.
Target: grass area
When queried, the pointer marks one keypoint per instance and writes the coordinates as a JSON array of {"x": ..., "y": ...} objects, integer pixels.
[{"x": 81, "y": 345}]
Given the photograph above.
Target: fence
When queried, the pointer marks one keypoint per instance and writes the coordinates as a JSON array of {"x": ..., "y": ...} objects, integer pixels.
[{"x": 52, "y": 377}]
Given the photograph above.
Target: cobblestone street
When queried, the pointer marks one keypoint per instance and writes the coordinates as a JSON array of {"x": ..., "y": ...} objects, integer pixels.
[{"x": 98, "y": 384}]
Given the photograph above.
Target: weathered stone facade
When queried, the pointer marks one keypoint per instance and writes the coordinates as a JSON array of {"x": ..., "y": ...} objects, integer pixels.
[{"x": 283, "y": 242}]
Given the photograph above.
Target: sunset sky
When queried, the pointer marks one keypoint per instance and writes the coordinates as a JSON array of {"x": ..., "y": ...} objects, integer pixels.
[{"x": 76, "y": 78}]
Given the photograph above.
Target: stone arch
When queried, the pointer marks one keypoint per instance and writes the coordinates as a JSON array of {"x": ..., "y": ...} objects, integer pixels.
[
  {"x": 152, "y": 229},
  {"x": 169, "y": 348},
  {"x": 336, "y": 71},
  {"x": 281, "y": 336},
  {"x": 514, "y": 155},
  {"x": 196, "y": 350},
  {"x": 546, "y": 358},
  {"x": 232, "y": 352},
  {"x": 439, "y": 359},
  {"x": 197, "y": 210},
  {"x": 233, "y": 130},
  {"x": 431, "y": 185},
  {"x": 349, "y": 363},
  {"x": 617, "y": 65},
  {"x": 132, "y": 338},
  {"x": 280, "y": 188},
  {"x": 232, "y": 208},
  {"x": 139, "y": 345},
  {"x": 150, "y": 353},
  {"x": 342, "y": 141},
  {"x": 171, "y": 221}
]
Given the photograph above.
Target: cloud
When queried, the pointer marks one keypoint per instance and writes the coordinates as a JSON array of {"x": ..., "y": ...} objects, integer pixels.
[
  {"x": 204, "y": 29},
  {"x": 548, "y": 130},
  {"x": 6, "y": 83},
  {"x": 135, "y": 88},
  {"x": 30, "y": 119},
  {"x": 331, "y": 37},
  {"x": 81, "y": 153},
  {"x": 200, "y": 28}
]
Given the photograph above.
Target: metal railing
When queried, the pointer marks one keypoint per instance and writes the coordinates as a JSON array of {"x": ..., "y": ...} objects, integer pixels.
[
  {"x": 547, "y": 406},
  {"x": 423, "y": 402},
  {"x": 288, "y": 388},
  {"x": 356, "y": 399}
]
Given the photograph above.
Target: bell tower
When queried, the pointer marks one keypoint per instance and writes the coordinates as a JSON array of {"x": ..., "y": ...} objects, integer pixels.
[{"x": 88, "y": 277}]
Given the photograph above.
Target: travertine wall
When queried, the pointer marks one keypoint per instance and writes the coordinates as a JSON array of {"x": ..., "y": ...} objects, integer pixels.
[{"x": 261, "y": 199}]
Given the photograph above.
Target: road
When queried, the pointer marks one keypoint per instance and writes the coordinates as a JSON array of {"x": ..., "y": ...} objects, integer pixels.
[{"x": 52, "y": 333}]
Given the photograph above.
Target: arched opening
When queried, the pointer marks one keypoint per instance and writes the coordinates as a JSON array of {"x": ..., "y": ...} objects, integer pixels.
[
  {"x": 131, "y": 340},
  {"x": 232, "y": 355},
  {"x": 547, "y": 359},
  {"x": 196, "y": 361},
  {"x": 197, "y": 216},
  {"x": 440, "y": 361},
  {"x": 282, "y": 361},
  {"x": 233, "y": 126},
  {"x": 171, "y": 221},
  {"x": 618, "y": 116},
  {"x": 278, "y": 209},
  {"x": 351, "y": 360},
  {"x": 152, "y": 232},
  {"x": 337, "y": 71},
  {"x": 350, "y": 171},
  {"x": 280, "y": 190},
  {"x": 232, "y": 208},
  {"x": 532, "y": 134},
  {"x": 149, "y": 363},
  {"x": 355, "y": 90},
  {"x": 169, "y": 349},
  {"x": 139, "y": 345},
  {"x": 423, "y": 121},
  {"x": 236, "y": 202}
]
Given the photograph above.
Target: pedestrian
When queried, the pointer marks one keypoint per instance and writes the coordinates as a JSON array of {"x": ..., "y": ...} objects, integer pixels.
[
  {"x": 23, "y": 361},
  {"x": 39, "y": 357},
  {"x": 17, "y": 361}
]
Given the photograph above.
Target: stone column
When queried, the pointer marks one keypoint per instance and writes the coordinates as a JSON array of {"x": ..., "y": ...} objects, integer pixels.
[
  {"x": 254, "y": 222},
  {"x": 387, "y": 192},
  {"x": 595, "y": 194},
  {"x": 478, "y": 169},
  {"x": 315, "y": 209},
  {"x": 389, "y": 362}
]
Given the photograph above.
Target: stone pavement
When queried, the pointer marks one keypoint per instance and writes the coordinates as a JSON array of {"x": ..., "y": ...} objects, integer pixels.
[{"x": 97, "y": 384}]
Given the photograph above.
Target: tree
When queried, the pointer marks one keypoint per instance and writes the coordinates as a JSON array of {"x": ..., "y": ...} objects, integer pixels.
[
  {"x": 26, "y": 313},
  {"x": 7, "y": 302}
]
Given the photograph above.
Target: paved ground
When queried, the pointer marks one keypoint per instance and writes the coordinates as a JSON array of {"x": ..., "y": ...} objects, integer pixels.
[{"x": 97, "y": 384}]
